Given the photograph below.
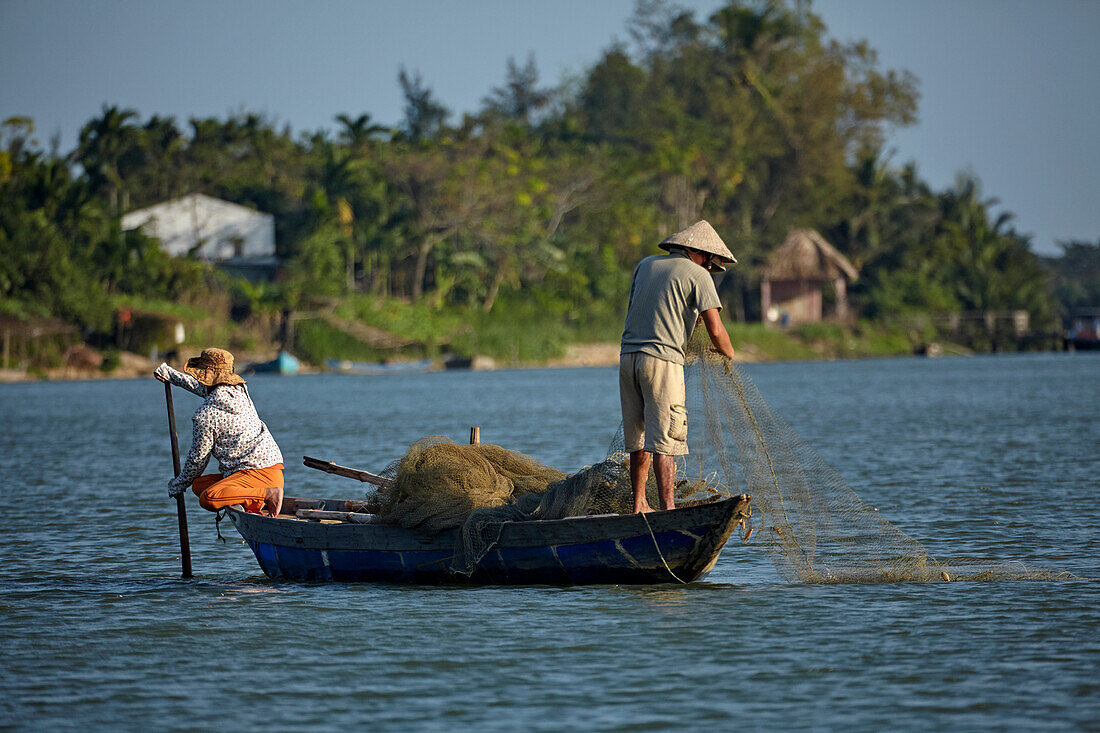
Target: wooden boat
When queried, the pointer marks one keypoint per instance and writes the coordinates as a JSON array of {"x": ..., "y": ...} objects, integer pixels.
[
  {"x": 335, "y": 539},
  {"x": 1084, "y": 329},
  {"x": 285, "y": 363}
]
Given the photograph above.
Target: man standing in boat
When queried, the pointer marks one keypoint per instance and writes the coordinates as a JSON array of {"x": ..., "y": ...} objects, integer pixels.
[
  {"x": 227, "y": 427},
  {"x": 669, "y": 294}
]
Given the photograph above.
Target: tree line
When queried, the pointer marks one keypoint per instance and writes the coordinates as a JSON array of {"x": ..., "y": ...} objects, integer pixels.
[{"x": 752, "y": 118}]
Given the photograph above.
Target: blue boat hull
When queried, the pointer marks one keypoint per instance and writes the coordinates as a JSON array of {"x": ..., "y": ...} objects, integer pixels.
[
  {"x": 285, "y": 363},
  {"x": 681, "y": 544}
]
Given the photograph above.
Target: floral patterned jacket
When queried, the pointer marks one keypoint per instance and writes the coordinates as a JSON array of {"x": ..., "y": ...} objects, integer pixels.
[{"x": 225, "y": 426}]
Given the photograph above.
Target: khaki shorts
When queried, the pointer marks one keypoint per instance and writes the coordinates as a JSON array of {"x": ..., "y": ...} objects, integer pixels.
[{"x": 652, "y": 394}]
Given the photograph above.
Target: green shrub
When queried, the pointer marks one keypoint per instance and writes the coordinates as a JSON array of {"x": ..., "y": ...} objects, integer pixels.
[
  {"x": 315, "y": 341},
  {"x": 821, "y": 331},
  {"x": 111, "y": 361},
  {"x": 759, "y": 341}
]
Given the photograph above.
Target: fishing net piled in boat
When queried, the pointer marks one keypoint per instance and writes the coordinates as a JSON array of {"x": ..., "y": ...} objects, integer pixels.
[
  {"x": 439, "y": 486},
  {"x": 438, "y": 483}
]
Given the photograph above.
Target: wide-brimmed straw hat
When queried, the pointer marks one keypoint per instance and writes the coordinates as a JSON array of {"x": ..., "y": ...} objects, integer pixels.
[
  {"x": 701, "y": 237},
  {"x": 213, "y": 367}
]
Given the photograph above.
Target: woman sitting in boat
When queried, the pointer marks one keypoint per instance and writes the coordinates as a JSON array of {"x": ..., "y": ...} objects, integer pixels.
[{"x": 227, "y": 427}]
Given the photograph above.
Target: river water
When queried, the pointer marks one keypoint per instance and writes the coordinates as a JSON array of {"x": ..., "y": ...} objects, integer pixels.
[{"x": 992, "y": 457}]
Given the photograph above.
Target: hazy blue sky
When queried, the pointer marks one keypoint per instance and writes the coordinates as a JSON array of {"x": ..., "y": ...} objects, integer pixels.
[{"x": 1009, "y": 88}]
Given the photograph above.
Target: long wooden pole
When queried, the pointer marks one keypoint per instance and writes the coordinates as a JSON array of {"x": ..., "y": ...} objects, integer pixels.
[
  {"x": 181, "y": 511},
  {"x": 330, "y": 467}
]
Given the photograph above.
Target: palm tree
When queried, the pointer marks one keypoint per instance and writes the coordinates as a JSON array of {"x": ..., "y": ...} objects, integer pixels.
[
  {"x": 520, "y": 97},
  {"x": 358, "y": 130},
  {"x": 162, "y": 143},
  {"x": 994, "y": 269},
  {"x": 104, "y": 143},
  {"x": 424, "y": 115}
]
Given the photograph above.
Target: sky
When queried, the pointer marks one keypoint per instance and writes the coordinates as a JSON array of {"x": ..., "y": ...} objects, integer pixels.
[{"x": 1010, "y": 89}]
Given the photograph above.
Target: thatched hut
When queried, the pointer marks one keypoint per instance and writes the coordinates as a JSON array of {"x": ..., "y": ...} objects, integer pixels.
[{"x": 790, "y": 289}]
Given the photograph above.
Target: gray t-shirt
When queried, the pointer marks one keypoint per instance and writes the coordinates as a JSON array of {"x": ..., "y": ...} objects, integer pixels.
[{"x": 667, "y": 296}]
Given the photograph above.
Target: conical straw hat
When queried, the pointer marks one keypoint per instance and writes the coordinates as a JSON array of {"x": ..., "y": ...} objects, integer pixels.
[{"x": 701, "y": 237}]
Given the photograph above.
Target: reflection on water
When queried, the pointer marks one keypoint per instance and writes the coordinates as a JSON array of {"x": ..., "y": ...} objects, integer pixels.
[{"x": 991, "y": 458}]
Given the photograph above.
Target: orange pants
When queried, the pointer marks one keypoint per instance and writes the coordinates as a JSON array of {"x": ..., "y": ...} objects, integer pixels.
[{"x": 248, "y": 487}]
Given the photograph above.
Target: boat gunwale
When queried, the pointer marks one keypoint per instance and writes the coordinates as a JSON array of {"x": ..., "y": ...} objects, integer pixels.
[
  {"x": 569, "y": 530},
  {"x": 660, "y": 516}
]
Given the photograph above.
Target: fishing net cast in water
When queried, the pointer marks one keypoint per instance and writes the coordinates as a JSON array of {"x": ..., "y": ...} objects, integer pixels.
[
  {"x": 806, "y": 518},
  {"x": 811, "y": 524}
]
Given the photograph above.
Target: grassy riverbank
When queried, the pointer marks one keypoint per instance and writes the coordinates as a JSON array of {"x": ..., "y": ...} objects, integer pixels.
[
  {"x": 524, "y": 334},
  {"x": 513, "y": 333},
  {"x": 367, "y": 328}
]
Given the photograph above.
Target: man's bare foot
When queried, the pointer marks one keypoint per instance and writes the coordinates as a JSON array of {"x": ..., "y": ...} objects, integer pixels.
[
  {"x": 643, "y": 509},
  {"x": 273, "y": 501}
]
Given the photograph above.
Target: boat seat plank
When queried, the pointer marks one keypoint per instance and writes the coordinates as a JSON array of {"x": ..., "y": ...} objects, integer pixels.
[
  {"x": 317, "y": 515},
  {"x": 292, "y": 505}
]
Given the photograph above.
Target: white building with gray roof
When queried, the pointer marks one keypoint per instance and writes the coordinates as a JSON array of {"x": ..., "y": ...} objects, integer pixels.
[{"x": 211, "y": 229}]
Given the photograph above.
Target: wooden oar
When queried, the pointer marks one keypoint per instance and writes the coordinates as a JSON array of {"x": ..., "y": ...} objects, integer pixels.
[
  {"x": 181, "y": 511},
  {"x": 355, "y": 473}
]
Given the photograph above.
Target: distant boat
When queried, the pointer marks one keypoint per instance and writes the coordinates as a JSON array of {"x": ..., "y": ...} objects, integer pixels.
[
  {"x": 379, "y": 367},
  {"x": 1084, "y": 329},
  {"x": 285, "y": 363}
]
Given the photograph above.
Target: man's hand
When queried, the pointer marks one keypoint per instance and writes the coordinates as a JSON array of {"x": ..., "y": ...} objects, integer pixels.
[
  {"x": 717, "y": 332},
  {"x": 162, "y": 372},
  {"x": 727, "y": 363},
  {"x": 174, "y": 490}
]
